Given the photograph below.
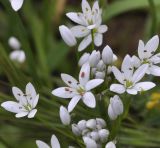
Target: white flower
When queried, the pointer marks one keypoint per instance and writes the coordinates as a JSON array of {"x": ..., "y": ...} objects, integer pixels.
[
  {"x": 64, "y": 115},
  {"x": 94, "y": 58},
  {"x": 89, "y": 22},
  {"x": 103, "y": 134},
  {"x": 25, "y": 104},
  {"x": 18, "y": 55},
  {"x": 54, "y": 143},
  {"x": 110, "y": 145},
  {"x": 14, "y": 43},
  {"x": 67, "y": 35},
  {"x": 115, "y": 107},
  {"x": 78, "y": 90},
  {"x": 90, "y": 143},
  {"x": 147, "y": 55},
  {"x": 16, "y": 4},
  {"x": 129, "y": 79}
]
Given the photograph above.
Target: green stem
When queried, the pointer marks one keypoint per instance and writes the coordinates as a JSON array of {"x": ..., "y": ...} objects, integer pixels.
[
  {"x": 154, "y": 17},
  {"x": 92, "y": 33}
]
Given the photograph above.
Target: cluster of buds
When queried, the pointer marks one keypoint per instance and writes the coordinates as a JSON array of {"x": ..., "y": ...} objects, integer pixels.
[
  {"x": 93, "y": 132},
  {"x": 100, "y": 63}
]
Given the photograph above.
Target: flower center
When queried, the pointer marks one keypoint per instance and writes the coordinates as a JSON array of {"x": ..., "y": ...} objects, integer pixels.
[
  {"x": 129, "y": 84},
  {"x": 81, "y": 90},
  {"x": 28, "y": 107},
  {"x": 145, "y": 61}
]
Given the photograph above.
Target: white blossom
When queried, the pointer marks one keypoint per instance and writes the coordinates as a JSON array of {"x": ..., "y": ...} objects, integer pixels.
[
  {"x": 110, "y": 144},
  {"x": 67, "y": 35},
  {"x": 64, "y": 115},
  {"x": 115, "y": 107},
  {"x": 16, "y": 4},
  {"x": 25, "y": 104},
  {"x": 89, "y": 21},
  {"x": 147, "y": 55},
  {"x": 90, "y": 143},
  {"x": 94, "y": 58},
  {"x": 14, "y": 43},
  {"x": 54, "y": 143},
  {"x": 78, "y": 90},
  {"x": 129, "y": 79},
  {"x": 18, "y": 55}
]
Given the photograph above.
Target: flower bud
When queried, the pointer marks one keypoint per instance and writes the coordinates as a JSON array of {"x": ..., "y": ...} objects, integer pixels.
[
  {"x": 90, "y": 143},
  {"x": 14, "y": 43},
  {"x": 101, "y": 66},
  {"x": 110, "y": 145},
  {"x": 99, "y": 75},
  {"x": 18, "y": 55},
  {"x": 76, "y": 130},
  {"x": 114, "y": 58},
  {"x": 84, "y": 58},
  {"x": 64, "y": 116},
  {"x": 94, "y": 58},
  {"x": 107, "y": 55},
  {"x": 16, "y": 4},
  {"x": 112, "y": 115},
  {"x": 93, "y": 71},
  {"x": 67, "y": 35},
  {"x": 91, "y": 123},
  {"x": 103, "y": 134},
  {"x": 101, "y": 122},
  {"x": 82, "y": 125},
  {"x": 94, "y": 135},
  {"x": 85, "y": 132}
]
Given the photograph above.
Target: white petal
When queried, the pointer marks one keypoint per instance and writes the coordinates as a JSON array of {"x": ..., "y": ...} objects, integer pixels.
[
  {"x": 110, "y": 145},
  {"x": 86, "y": 7},
  {"x": 98, "y": 38},
  {"x": 30, "y": 90},
  {"x": 80, "y": 31},
  {"x": 41, "y": 144},
  {"x": 90, "y": 27},
  {"x": 118, "y": 75},
  {"x": 154, "y": 70},
  {"x": 21, "y": 114},
  {"x": 17, "y": 93},
  {"x": 89, "y": 142},
  {"x": 84, "y": 74},
  {"x": 139, "y": 73},
  {"x": 69, "y": 80},
  {"x": 152, "y": 44},
  {"x": 64, "y": 92},
  {"x": 64, "y": 116},
  {"x": 94, "y": 58},
  {"x": 14, "y": 43},
  {"x": 84, "y": 58},
  {"x": 76, "y": 17},
  {"x": 112, "y": 115},
  {"x": 132, "y": 91},
  {"x": 141, "y": 49},
  {"x": 12, "y": 106},
  {"x": 102, "y": 28},
  {"x": 73, "y": 102},
  {"x": 16, "y": 4},
  {"x": 18, "y": 55},
  {"x": 136, "y": 61},
  {"x": 84, "y": 43},
  {"x": 89, "y": 100},
  {"x": 32, "y": 113},
  {"x": 93, "y": 83},
  {"x": 107, "y": 55},
  {"x": 143, "y": 86},
  {"x": 35, "y": 101},
  {"x": 118, "y": 88},
  {"x": 54, "y": 142},
  {"x": 155, "y": 59},
  {"x": 67, "y": 35}
]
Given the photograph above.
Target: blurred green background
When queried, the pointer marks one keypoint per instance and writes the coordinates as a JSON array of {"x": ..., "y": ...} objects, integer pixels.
[{"x": 36, "y": 26}]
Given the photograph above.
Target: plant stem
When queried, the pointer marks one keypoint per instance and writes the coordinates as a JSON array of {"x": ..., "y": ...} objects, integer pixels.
[{"x": 92, "y": 33}]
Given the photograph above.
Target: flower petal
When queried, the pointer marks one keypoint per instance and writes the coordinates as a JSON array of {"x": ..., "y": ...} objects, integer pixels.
[
  {"x": 98, "y": 38},
  {"x": 21, "y": 114},
  {"x": 102, "y": 28},
  {"x": 73, "y": 102},
  {"x": 154, "y": 70},
  {"x": 89, "y": 100},
  {"x": 41, "y": 144},
  {"x": 141, "y": 49},
  {"x": 69, "y": 80},
  {"x": 90, "y": 143},
  {"x": 17, "y": 93},
  {"x": 85, "y": 42},
  {"x": 54, "y": 142},
  {"x": 64, "y": 92},
  {"x": 132, "y": 91},
  {"x": 35, "y": 101},
  {"x": 84, "y": 58},
  {"x": 86, "y": 8},
  {"x": 32, "y": 113},
  {"x": 12, "y": 106},
  {"x": 118, "y": 88},
  {"x": 139, "y": 73},
  {"x": 64, "y": 116},
  {"x": 16, "y": 4},
  {"x": 118, "y": 75},
  {"x": 84, "y": 74},
  {"x": 143, "y": 86},
  {"x": 30, "y": 90},
  {"x": 93, "y": 83}
]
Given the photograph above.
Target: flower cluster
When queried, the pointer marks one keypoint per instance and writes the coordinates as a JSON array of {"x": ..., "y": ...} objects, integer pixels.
[{"x": 93, "y": 131}]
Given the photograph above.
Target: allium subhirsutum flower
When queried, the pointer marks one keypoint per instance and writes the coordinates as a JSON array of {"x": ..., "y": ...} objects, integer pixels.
[
  {"x": 129, "y": 78},
  {"x": 78, "y": 90},
  {"x": 89, "y": 24},
  {"x": 147, "y": 55},
  {"x": 16, "y": 4},
  {"x": 54, "y": 143},
  {"x": 64, "y": 115},
  {"x": 26, "y": 102}
]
